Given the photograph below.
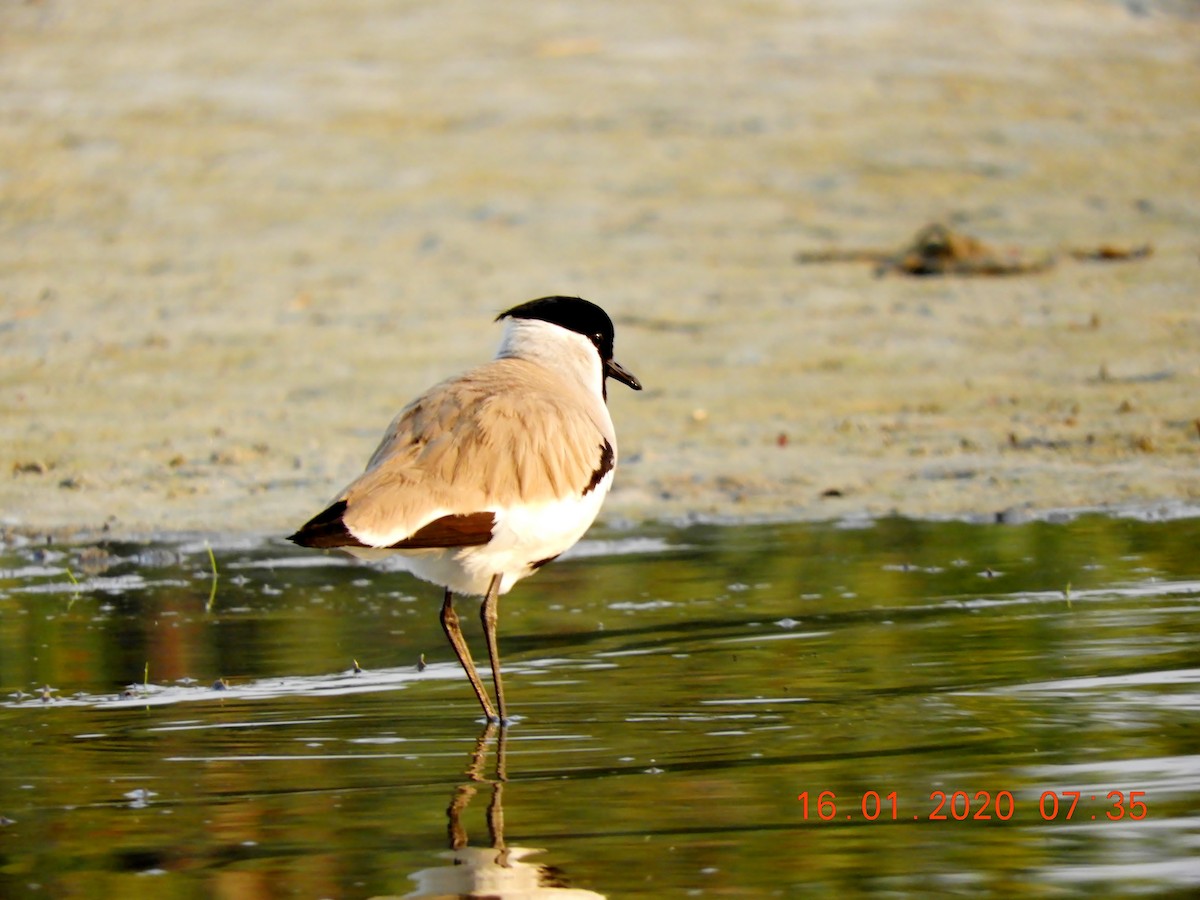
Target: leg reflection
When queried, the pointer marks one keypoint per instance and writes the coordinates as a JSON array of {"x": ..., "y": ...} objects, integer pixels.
[{"x": 499, "y": 870}]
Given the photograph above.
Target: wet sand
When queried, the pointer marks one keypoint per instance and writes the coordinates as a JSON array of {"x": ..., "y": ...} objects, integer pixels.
[{"x": 239, "y": 238}]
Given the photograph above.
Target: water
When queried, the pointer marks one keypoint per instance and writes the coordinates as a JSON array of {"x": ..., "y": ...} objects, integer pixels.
[{"x": 677, "y": 691}]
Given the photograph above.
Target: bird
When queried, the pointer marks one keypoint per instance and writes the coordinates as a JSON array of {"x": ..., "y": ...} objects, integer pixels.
[{"x": 491, "y": 474}]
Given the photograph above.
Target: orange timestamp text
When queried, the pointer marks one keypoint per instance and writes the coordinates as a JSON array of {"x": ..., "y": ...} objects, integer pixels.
[{"x": 976, "y": 806}]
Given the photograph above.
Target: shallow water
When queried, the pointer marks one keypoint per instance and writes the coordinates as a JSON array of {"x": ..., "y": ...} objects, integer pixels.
[{"x": 677, "y": 692}]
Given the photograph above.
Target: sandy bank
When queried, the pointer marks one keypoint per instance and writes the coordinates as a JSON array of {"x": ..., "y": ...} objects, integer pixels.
[{"x": 238, "y": 238}]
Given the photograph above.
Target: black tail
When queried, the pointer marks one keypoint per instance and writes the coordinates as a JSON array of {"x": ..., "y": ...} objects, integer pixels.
[{"x": 326, "y": 529}]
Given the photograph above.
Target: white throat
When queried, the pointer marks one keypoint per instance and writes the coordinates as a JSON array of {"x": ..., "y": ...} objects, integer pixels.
[{"x": 558, "y": 349}]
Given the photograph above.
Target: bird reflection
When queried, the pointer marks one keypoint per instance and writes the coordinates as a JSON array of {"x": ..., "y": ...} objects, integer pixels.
[{"x": 496, "y": 871}]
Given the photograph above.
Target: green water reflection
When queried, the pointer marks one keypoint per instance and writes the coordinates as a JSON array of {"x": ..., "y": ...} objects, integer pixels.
[{"x": 678, "y": 689}]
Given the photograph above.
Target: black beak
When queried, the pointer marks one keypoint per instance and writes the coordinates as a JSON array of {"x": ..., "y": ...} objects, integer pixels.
[{"x": 614, "y": 369}]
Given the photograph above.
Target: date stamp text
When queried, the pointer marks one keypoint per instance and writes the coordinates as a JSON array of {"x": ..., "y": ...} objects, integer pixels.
[{"x": 977, "y": 806}]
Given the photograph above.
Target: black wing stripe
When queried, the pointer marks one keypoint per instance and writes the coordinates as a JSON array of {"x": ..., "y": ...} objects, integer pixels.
[
  {"x": 605, "y": 466},
  {"x": 326, "y": 529}
]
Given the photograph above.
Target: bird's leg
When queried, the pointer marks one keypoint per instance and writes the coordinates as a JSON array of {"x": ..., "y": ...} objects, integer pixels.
[
  {"x": 488, "y": 616},
  {"x": 455, "y": 636}
]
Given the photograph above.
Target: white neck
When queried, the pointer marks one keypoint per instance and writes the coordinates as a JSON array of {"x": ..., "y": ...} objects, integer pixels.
[{"x": 558, "y": 349}]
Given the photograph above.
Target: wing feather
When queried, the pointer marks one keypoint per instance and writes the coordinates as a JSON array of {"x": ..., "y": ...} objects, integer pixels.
[{"x": 502, "y": 434}]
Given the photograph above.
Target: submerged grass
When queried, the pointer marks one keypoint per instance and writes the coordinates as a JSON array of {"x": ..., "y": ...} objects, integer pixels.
[{"x": 212, "y": 594}]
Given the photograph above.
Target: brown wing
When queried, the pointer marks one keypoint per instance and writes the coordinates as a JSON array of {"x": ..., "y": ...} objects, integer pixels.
[{"x": 501, "y": 434}]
